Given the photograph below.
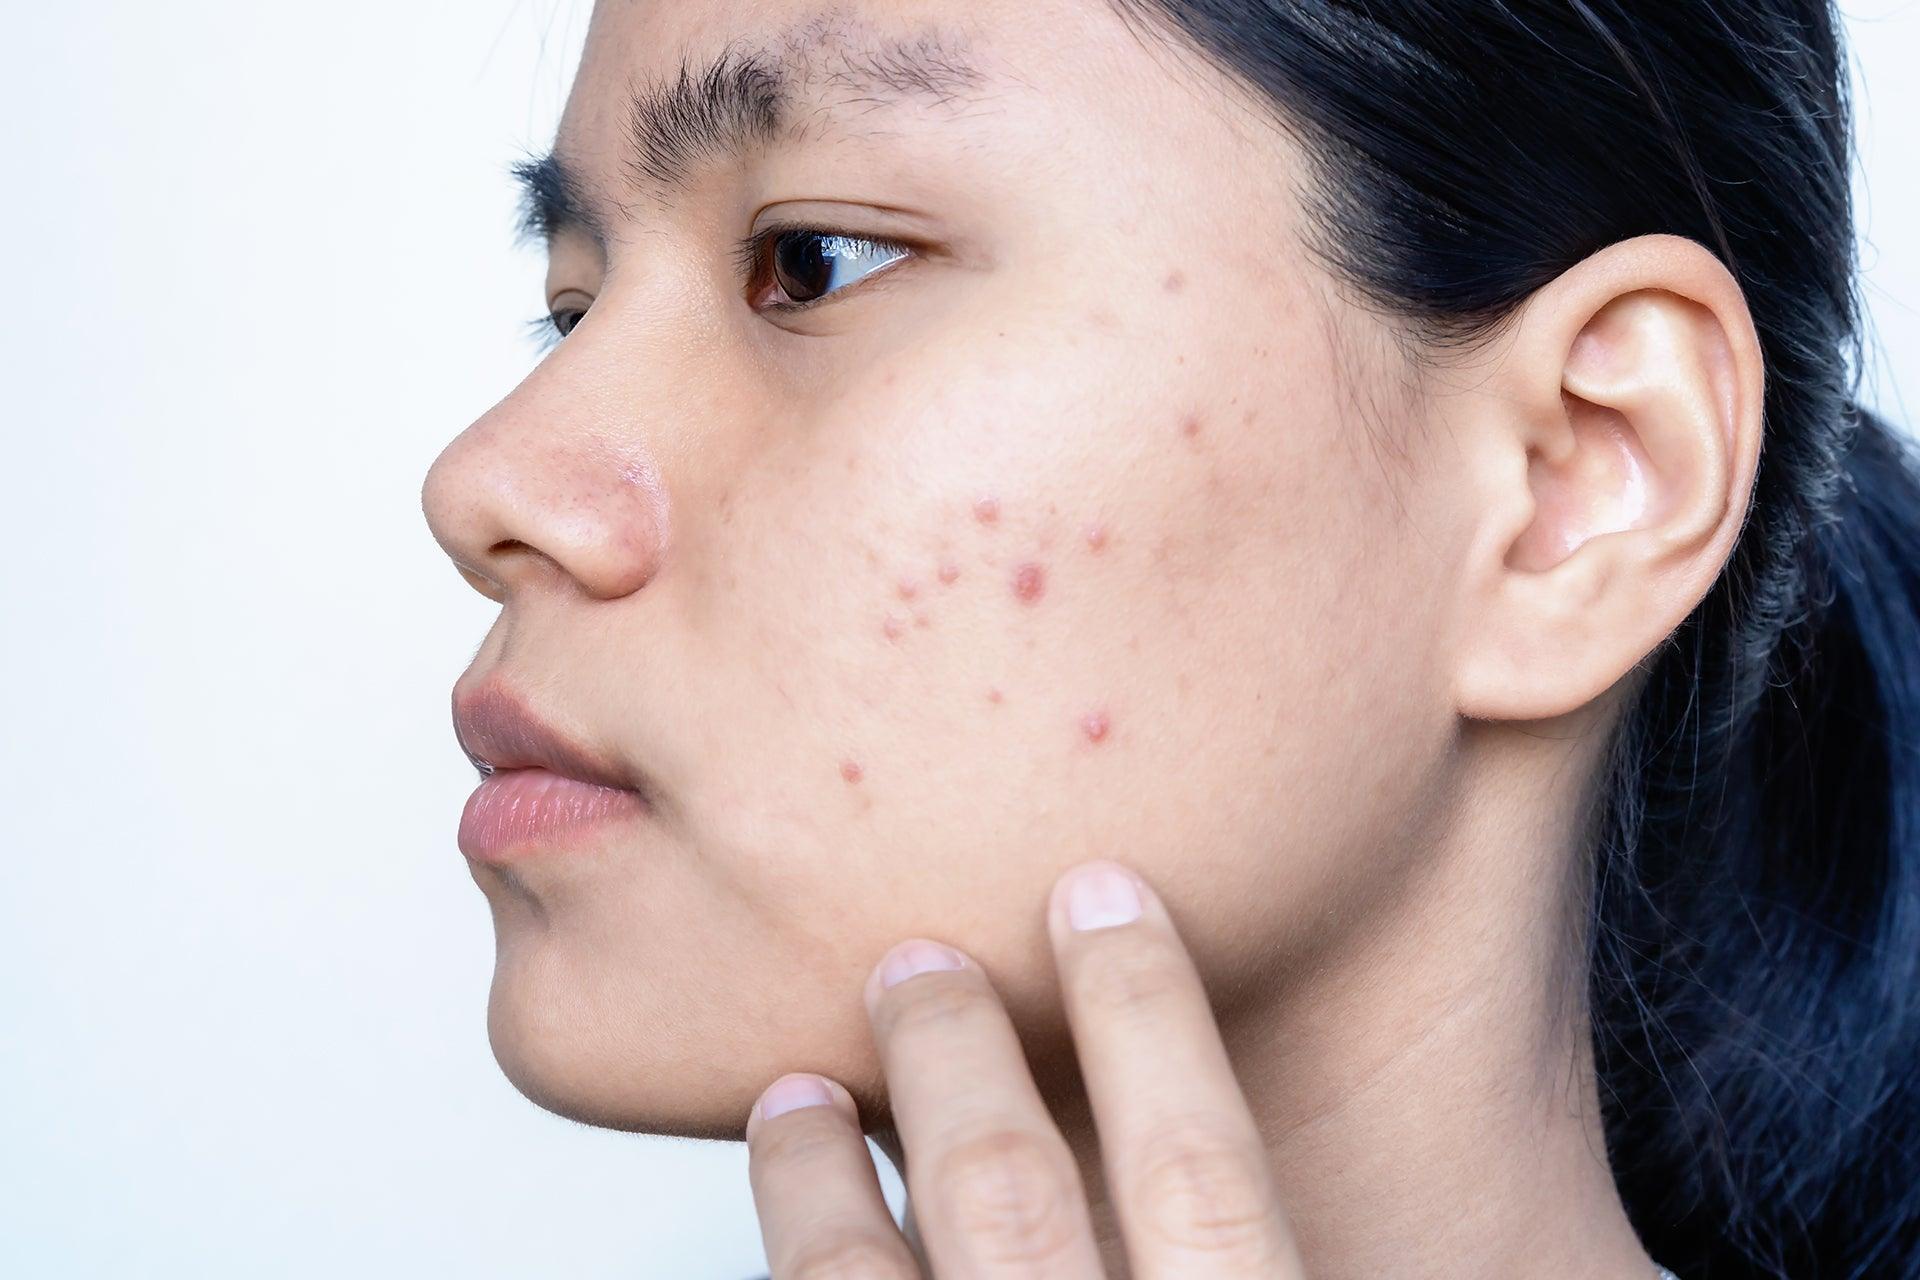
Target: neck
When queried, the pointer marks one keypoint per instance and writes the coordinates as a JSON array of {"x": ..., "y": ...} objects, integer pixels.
[{"x": 1426, "y": 1087}]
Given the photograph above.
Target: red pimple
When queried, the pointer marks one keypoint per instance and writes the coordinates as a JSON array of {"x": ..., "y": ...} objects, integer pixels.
[
  {"x": 948, "y": 571},
  {"x": 1029, "y": 582},
  {"x": 1190, "y": 425},
  {"x": 1096, "y": 536},
  {"x": 908, "y": 588},
  {"x": 1095, "y": 725},
  {"x": 986, "y": 510},
  {"x": 851, "y": 770},
  {"x": 993, "y": 695},
  {"x": 893, "y": 626}
]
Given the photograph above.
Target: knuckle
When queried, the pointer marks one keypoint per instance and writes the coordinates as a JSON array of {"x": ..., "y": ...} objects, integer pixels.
[
  {"x": 1130, "y": 980},
  {"x": 853, "y": 1257},
  {"x": 1203, "y": 1191},
  {"x": 1009, "y": 1194}
]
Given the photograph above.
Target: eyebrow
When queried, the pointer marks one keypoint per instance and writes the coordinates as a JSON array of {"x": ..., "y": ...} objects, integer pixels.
[{"x": 821, "y": 74}]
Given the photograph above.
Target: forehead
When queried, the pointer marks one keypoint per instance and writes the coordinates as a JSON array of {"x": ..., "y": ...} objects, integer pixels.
[
  {"x": 665, "y": 80},
  {"x": 846, "y": 54}
]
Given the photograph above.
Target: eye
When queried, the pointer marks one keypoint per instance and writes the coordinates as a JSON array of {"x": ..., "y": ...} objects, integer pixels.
[
  {"x": 562, "y": 316},
  {"x": 792, "y": 267}
]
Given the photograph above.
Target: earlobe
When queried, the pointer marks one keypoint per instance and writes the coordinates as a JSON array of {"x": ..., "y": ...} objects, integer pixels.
[{"x": 1620, "y": 433}]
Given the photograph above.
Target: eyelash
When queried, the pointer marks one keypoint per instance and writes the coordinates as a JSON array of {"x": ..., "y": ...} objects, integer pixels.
[{"x": 747, "y": 256}]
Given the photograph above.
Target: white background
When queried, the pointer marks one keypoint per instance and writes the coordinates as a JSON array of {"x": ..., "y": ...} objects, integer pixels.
[{"x": 258, "y": 271}]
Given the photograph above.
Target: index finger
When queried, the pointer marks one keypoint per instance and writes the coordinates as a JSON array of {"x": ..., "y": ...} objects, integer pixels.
[{"x": 1184, "y": 1160}]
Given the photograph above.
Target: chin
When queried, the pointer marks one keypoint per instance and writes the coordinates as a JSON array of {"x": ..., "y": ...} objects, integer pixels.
[
  {"x": 565, "y": 1042},
  {"x": 627, "y": 1038}
]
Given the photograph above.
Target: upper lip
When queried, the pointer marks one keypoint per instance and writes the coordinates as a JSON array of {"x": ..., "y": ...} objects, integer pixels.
[{"x": 498, "y": 731}]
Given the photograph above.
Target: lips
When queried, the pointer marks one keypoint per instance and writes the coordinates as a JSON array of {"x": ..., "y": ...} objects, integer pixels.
[{"x": 538, "y": 789}]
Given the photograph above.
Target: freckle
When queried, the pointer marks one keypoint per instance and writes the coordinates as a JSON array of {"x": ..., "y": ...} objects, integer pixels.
[
  {"x": 986, "y": 510},
  {"x": 1029, "y": 582},
  {"x": 1174, "y": 282},
  {"x": 851, "y": 771},
  {"x": 908, "y": 588},
  {"x": 893, "y": 626},
  {"x": 948, "y": 571},
  {"x": 1095, "y": 725},
  {"x": 1096, "y": 537},
  {"x": 993, "y": 696}
]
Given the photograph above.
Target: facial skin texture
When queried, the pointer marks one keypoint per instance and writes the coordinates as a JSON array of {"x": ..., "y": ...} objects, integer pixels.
[{"x": 1104, "y": 524}]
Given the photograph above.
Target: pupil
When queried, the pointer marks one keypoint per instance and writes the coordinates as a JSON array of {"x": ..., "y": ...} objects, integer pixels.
[{"x": 801, "y": 266}]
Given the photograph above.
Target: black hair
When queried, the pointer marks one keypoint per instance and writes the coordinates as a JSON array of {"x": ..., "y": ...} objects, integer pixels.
[{"x": 1754, "y": 942}]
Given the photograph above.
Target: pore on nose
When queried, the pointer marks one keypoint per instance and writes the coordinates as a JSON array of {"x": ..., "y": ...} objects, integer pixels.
[{"x": 509, "y": 508}]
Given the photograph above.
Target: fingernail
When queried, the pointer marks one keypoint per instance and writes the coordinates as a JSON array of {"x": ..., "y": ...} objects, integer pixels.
[
  {"x": 918, "y": 956},
  {"x": 1100, "y": 896},
  {"x": 790, "y": 1093}
]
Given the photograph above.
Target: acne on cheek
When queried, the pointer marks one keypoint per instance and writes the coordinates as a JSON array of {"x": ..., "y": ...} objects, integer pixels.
[
  {"x": 1027, "y": 584},
  {"x": 1027, "y": 581}
]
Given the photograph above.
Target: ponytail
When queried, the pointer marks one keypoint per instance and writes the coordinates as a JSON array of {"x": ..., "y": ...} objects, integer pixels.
[{"x": 1756, "y": 948}]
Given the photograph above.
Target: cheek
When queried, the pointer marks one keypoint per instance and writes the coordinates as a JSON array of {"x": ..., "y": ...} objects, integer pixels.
[
  {"x": 938, "y": 652},
  {"x": 981, "y": 580}
]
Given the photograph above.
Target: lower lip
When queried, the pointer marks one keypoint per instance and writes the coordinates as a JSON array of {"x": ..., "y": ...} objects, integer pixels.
[{"x": 517, "y": 811}]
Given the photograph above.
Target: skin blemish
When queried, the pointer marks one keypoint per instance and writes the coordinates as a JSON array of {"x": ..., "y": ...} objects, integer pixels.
[
  {"x": 948, "y": 572},
  {"x": 994, "y": 696},
  {"x": 920, "y": 620},
  {"x": 892, "y": 626},
  {"x": 1029, "y": 582},
  {"x": 1096, "y": 536},
  {"x": 851, "y": 771},
  {"x": 1190, "y": 426},
  {"x": 1095, "y": 725},
  {"x": 908, "y": 588},
  {"x": 986, "y": 510},
  {"x": 1174, "y": 282}
]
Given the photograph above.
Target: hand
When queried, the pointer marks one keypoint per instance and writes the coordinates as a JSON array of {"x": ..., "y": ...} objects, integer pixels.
[{"x": 994, "y": 1188}]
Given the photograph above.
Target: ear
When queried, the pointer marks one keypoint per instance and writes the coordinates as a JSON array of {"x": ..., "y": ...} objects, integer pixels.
[{"x": 1612, "y": 450}]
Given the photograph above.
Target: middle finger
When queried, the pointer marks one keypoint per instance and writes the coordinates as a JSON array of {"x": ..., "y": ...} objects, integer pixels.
[{"x": 994, "y": 1188}]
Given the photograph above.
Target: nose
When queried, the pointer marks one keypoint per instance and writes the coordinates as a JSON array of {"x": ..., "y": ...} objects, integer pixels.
[{"x": 546, "y": 490}]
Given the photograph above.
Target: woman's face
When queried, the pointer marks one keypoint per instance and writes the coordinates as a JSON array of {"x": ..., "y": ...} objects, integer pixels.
[{"x": 1084, "y": 523}]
